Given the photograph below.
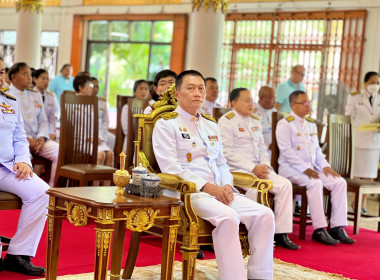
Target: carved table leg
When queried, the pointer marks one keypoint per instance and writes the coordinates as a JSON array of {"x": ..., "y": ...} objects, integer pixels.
[
  {"x": 134, "y": 245},
  {"x": 169, "y": 241},
  {"x": 103, "y": 238},
  {"x": 117, "y": 249}
]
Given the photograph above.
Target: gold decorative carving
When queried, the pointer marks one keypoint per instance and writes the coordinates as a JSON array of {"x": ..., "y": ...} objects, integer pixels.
[
  {"x": 77, "y": 213},
  {"x": 12, "y": 3},
  {"x": 38, "y": 5},
  {"x": 105, "y": 214},
  {"x": 130, "y": 2},
  {"x": 140, "y": 219},
  {"x": 174, "y": 212},
  {"x": 167, "y": 98},
  {"x": 50, "y": 227},
  {"x": 217, "y": 4},
  {"x": 103, "y": 242},
  {"x": 173, "y": 235},
  {"x": 51, "y": 201}
]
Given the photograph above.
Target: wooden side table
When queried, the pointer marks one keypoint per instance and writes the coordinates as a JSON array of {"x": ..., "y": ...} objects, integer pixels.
[{"x": 110, "y": 213}]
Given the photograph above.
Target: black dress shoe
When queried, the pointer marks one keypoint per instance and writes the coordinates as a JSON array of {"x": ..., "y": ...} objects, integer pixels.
[
  {"x": 1, "y": 264},
  {"x": 322, "y": 236},
  {"x": 21, "y": 264},
  {"x": 200, "y": 255},
  {"x": 282, "y": 239},
  {"x": 340, "y": 234}
]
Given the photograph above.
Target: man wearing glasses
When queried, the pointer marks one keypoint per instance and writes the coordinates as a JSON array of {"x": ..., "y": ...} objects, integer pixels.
[
  {"x": 302, "y": 162},
  {"x": 286, "y": 88}
]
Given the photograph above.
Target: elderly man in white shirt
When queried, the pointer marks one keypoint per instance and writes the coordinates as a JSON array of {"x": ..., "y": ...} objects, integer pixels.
[
  {"x": 245, "y": 151},
  {"x": 193, "y": 151}
]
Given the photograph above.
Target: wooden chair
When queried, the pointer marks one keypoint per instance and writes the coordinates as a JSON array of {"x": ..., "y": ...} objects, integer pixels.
[
  {"x": 340, "y": 155},
  {"x": 302, "y": 219},
  {"x": 219, "y": 112},
  {"x": 121, "y": 100},
  {"x": 78, "y": 143},
  {"x": 8, "y": 201},
  {"x": 193, "y": 230}
]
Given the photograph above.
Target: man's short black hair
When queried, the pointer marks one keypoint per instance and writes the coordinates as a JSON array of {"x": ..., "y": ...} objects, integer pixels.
[
  {"x": 16, "y": 68},
  {"x": 81, "y": 80},
  {"x": 211, "y": 79},
  {"x": 164, "y": 74},
  {"x": 178, "y": 81},
  {"x": 293, "y": 96},
  {"x": 38, "y": 73},
  {"x": 235, "y": 93}
]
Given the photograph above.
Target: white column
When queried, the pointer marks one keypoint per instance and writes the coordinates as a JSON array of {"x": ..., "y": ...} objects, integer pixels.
[
  {"x": 29, "y": 32},
  {"x": 205, "y": 39},
  {"x": 371, "y": 49}
]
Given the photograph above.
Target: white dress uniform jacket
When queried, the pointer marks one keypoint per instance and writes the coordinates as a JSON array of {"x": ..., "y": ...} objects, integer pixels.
[
  {"x": 51, "y": 109},
  {"x": 266, "y": 120},
  {"x": 244, "y": 148},
  {"x": 14, "y": 149},
  {"x": 36, "y": 124},
  {"x": 208, "y": 108},
  {"x": 191, "y": 148},
  {"x": 297, "y": 139}
]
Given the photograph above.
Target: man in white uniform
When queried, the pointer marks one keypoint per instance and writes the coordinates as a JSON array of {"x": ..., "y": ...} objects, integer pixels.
[
  {"x": 302, "y": 162},
  {"x": 35, "y": 122},
  {"x": 245, "y": 151},
  {"x": 16, "y": 177},
  {"x": 212, "y": 93},
  {"x": 193, "y": 151}
]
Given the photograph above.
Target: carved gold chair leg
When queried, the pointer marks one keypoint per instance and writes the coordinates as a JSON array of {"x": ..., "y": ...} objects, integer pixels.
[{"x": 188, "y": 263}]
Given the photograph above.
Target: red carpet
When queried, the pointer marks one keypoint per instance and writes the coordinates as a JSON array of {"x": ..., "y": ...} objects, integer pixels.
[{"x": 78, "y": 245}]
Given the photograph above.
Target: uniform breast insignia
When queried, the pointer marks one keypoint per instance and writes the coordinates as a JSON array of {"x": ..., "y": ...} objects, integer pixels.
[
  {"x": 290, "y": 118},
  {"x": 185, "y": 136},
  {"x": 6, "y": 109},
  {"x": 209, "y": 118},
  {"x": 230, "y": 115},
  {"x": 255, "y": 128},
  {"x": 213, "y": 138},
  {"x": 37, "y": 104},
  {"x": 310, "y": 119},
  {"x": 188, "y": 156},
  {"x": 255, "y": 117},
  {"x": 170, "y": 115},
  {"x": 3, "y": 92},
  {"x": 242, "y": 129},
  {"x": 355, "y": 92},
  {"x": 299, "y": 134}
]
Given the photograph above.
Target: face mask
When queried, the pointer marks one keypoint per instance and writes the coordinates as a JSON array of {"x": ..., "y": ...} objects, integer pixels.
[{"x": 372, "y": 89}]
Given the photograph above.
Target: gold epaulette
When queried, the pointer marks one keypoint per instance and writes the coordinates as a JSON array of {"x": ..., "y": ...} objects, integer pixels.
[
  {"x": 255, "y": 117},
  {"x": 3, "y": 92},
  {"x": 355, "y": 92},
  {"x": 290, "y": 118},
  {"x": 31, "y": 89},
  {"x": 230, "y": 115},
  {"x": 102, "y": 98},
  {"x": 50, "y": 92},
  {"x": 310, "y": 119},
  {"x": 209, "y": 117},
  {"x": 170, "y": 115}
]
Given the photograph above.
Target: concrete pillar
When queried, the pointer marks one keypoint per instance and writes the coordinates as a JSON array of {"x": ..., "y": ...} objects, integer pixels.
[
  {"x": 371, "y": 50},
  {"x": 29, "y": 17},
  {"x": 205, "y": 37}
]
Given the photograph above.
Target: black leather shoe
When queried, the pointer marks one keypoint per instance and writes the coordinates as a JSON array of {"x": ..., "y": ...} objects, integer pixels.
[
  {"x": 21, "y": 264},
  {"x": 200, "y": 255},
  {"x": 322, "y": 236},
  {"x": 207, "y": 248},
  {"x": 1, "y": 264},
  {"x": 341, "y": 235},
  {"x": 282, "y": 239}
]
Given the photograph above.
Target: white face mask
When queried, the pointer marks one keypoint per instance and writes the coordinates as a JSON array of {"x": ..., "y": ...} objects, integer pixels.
[{"x": 372, "y": 89}]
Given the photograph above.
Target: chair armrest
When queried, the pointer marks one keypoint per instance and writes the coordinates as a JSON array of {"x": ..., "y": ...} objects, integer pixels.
[
  {"x": 246, "y": 180},
  {"x": 175, "y": 183}
]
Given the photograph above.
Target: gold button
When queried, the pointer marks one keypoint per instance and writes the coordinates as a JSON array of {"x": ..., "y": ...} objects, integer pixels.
[
  {"x": 207, "y": 154},
  {"x": 25, "y": 107},
  {"x": 298, "y": 148},
  {"x": 192, "y": 119},
  {"x": 28, "y": 117},
  {"x": 211, "y": 167}
]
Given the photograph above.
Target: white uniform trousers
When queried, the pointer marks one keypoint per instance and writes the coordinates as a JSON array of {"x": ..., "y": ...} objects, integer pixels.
[
  {"x": 283, "y": 202},
  {"x": 259, "y": 222},
  {"x": 338, "y": 188},
  {"x": 50, "y": 151},
  {"x": 33, "y": 212}
]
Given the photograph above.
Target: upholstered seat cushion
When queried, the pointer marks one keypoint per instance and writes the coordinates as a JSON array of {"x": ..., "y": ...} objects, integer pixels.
[{"x": 88, "y": 168}]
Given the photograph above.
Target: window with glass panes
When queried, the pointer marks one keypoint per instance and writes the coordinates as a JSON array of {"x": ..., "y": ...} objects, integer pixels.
[{"x": 120, "y": 52}]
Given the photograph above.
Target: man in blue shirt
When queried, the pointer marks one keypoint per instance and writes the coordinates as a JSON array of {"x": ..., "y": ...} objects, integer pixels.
[{"x": 286, "y": 88}]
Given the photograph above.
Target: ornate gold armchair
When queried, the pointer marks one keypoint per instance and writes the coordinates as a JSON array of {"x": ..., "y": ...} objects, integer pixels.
[{"x": 193, "y": 231}]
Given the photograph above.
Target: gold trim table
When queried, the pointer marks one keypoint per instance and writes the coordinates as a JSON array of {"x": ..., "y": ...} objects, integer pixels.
[{"x": 111, "y": 214}]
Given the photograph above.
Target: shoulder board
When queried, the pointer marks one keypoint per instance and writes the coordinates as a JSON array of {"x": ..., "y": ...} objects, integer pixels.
[
  {"x": 230, "y": 115},
  {"x": 50, "y": 92},
  {"x": 102, "y": 98},
  {"x": 290, "y": 118},
  {"x": 208, "y": 117},
  {"x": 6, "y": 94},
  {"x": 31, "y": 89},
  {"x": 355, "y": 92},
  {"x": 170, "y": 115},
  {"x": 255, "y": 117},
  {"x": 309, "y": 119}
]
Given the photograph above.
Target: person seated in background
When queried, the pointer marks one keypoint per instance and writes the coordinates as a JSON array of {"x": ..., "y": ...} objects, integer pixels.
[
  {"x": 364, "y": 107},
  {"x": 140, "y": 92},
  {"x": 302, "y": 162},
  {"x": 188, "y": 145},
  {"x": 3, "y": 74},
  {"x": 41, "y": 81},
  {"x": 245, "y": 151},
  {"x": 18, "y": 178},
  {"x": 62, "y": 82},
  {"x": 163, "y": 80},
  {"x": 32, "y": 109},
  {"x": 212, "y": 93}
]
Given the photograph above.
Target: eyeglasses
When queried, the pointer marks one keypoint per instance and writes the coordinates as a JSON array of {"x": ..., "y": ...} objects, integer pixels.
[{"x": 306, "y": 103}]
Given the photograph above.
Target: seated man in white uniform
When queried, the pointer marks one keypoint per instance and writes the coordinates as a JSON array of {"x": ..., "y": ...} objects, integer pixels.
[
  {"x": 189, "y": 145},
  {"x": 16, "y": 176},
  {"x": 212, "y": 93},
  {"x": 302, "y": 162},
  {"x": 245, "y": 151},
  {"x": 33, "y": 113}
]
